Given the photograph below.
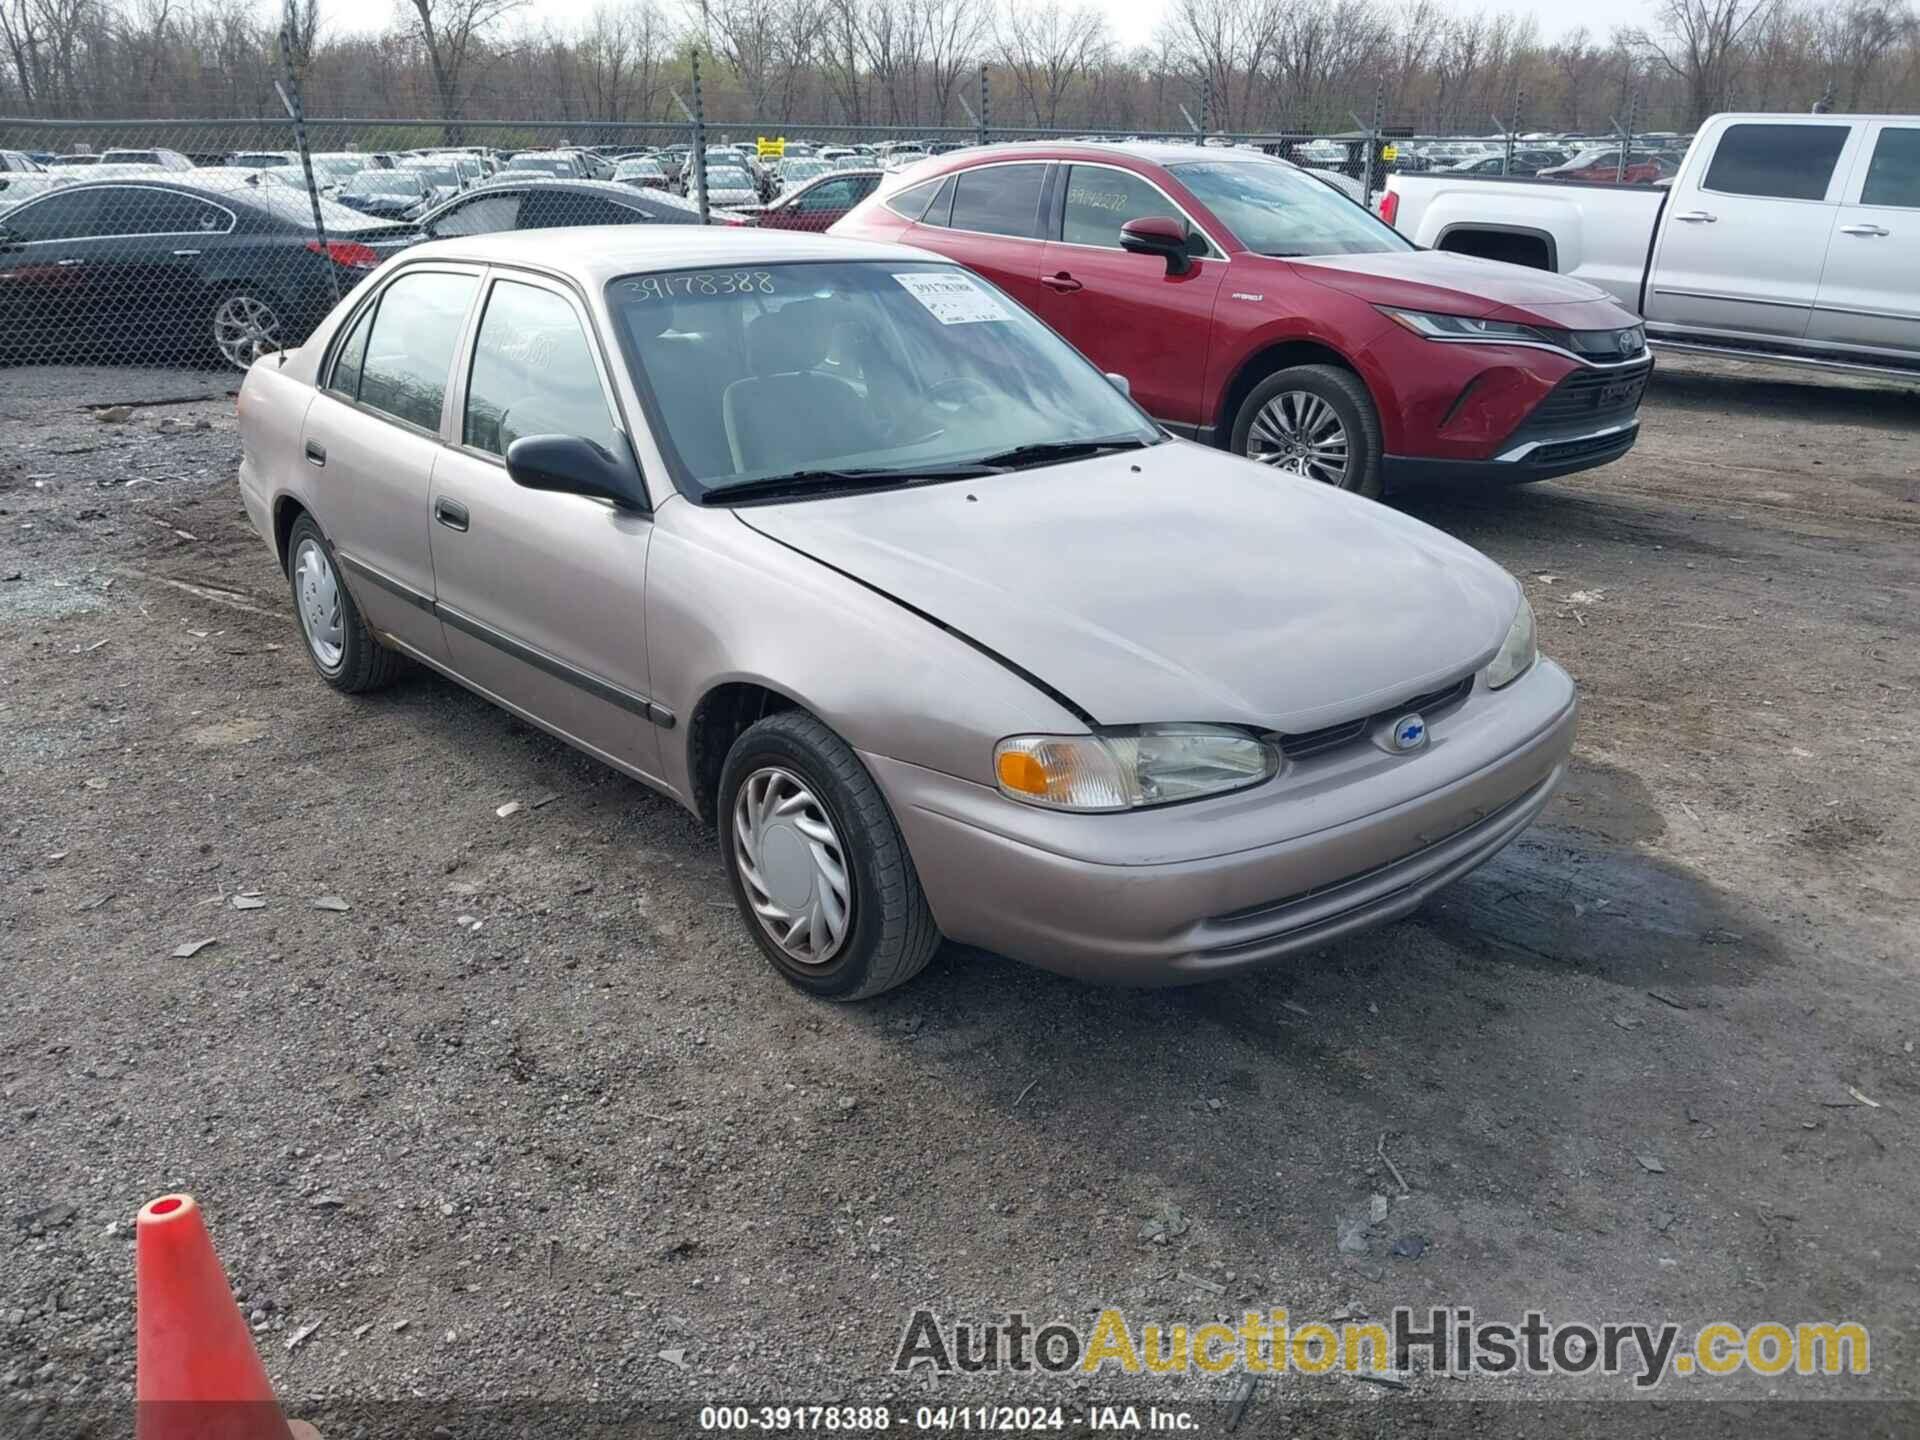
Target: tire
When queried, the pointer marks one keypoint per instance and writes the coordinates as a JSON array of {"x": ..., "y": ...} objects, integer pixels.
[
  {"x": 332, "y": 631},
  {"x": 887, "y": 934},
  {"x": 243, "y": 323},
  {"x": 1292, "y": 408}
]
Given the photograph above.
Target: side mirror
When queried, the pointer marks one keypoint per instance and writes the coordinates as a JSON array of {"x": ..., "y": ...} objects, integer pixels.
[
  {"x": 570, "y": 465},
  {"x": 1161, "y": 235},
  {"x": 1120, "y": 383}
]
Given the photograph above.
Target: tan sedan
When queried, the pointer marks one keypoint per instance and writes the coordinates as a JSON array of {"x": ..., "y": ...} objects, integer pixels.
[{"x": 843, "y": 550}]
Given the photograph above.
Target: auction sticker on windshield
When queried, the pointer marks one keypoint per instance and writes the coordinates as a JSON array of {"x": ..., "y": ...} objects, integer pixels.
[{"x": 952, "y": 298}]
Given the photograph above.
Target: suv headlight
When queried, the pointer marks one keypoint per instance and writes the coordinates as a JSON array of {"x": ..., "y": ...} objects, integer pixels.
[
  {"x": 1517, "y": 652},
  {"x": 1464, "y": 327},
  {"x": 1127, "y": 767}
]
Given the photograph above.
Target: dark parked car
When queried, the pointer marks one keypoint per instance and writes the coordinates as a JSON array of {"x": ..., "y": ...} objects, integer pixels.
[
  {"x": 812, "y": 205},
  {"x": 527, "y": 203},
  {"x": 561, "y": 163},
  {"x": 389, "y": 194},
  {"x": 191, "y": 264}
]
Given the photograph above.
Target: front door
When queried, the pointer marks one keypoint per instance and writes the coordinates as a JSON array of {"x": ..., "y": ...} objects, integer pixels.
[
  {"x": 1743, "y": 238},
  {"x": 374, "y": 430},
  {"x": 1128, "y": 313},
  {"x": 49, "y": 305},
  {"x": 1870, "y": 291},
  {"x": 541, "y": 595}
]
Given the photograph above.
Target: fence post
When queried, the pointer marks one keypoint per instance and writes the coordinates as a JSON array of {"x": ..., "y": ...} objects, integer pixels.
[
  {"x": 985, "y": 99},
  {"x": 1373, "y": 143},
  {"x": 1513, "y": 129},
  {"x": 699, "y": 157},
  {"x": 1626, "y": 138},
  {"x": 297, "y": 113}
]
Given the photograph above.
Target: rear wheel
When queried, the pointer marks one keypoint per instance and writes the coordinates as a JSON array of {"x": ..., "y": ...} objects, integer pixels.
[
  {"x": 817, "y": 864},
  {"x": 1314, "y": 421},
  {"x": 245, "y": 323},
  {"x": 338, "y": 641}
]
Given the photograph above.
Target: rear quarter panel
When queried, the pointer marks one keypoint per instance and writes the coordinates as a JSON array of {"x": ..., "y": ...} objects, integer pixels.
[{"x": 272, "y": 410}]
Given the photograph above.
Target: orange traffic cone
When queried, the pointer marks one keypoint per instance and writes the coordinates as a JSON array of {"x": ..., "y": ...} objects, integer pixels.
[{"x": 198, "y": 1375}]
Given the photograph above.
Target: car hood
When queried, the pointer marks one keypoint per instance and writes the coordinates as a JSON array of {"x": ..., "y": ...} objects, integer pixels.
[
  {"x": 1177, "y": 583},
  {"x": 1439, "y": 280}
]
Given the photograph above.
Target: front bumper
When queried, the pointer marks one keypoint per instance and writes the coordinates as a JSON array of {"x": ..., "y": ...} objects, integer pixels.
[
  {"x": 1535, "y": 457},
  {"x": 1344, "y": 844}
]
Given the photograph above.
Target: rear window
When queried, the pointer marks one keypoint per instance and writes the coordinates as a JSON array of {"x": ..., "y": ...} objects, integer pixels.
[
  {"x": 999, "y": 200},
  {"x": 1780, "y": 162}
]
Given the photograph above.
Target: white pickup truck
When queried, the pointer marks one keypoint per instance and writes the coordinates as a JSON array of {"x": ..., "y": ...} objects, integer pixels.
[{"x": 1784, "y": 237}]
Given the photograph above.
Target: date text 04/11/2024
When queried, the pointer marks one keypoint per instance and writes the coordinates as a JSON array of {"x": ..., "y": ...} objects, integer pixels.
[{"x": 995, "y": 1419}]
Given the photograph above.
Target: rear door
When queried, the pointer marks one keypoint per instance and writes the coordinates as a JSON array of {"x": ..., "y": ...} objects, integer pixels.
[
  {"x": 542, "y": 594},
  {"x": 149, "y": 275},
  {"x": 989, "y": 220},
  {"x": 1746, "y": 230},
  {"x": 374, "y": 431},
  {"x": 1128, "y": 313},
  {"x": 1870, "y": 290}
]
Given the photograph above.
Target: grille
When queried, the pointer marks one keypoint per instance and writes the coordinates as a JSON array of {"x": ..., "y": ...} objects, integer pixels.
[
  {"x": 1592, "y": 395},
  {"x": 1331, "y": 737}
]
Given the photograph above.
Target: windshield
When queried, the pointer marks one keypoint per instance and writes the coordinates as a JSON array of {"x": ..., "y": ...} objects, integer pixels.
[
  {"x": 803, "y": 169},
  {"x": 385, "y": 182},
  {"x": 899, "y": 366},
  {"x": 436, "y": 174},
  {"x": 1275, "y": 210},
  {"x": 339, "y": 167},
  {"x": 627, "y": 169},
  {"x": 544, "y": 164}
]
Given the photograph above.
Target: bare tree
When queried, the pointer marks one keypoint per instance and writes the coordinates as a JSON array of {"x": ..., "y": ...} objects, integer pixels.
[
  {"x": 1700, "y": 43},
  {"x": 1045, "y": 47},
  {"x": 454, "y": 33}
]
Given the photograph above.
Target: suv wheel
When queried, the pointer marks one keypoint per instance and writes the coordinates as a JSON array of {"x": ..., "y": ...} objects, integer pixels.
[
  {"x": 1315, "y": 421},
  {"x": 819, "y": 868}
]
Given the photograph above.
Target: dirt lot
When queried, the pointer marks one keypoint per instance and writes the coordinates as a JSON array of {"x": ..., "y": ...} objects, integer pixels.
[{"x": 1655, "y": 1062}]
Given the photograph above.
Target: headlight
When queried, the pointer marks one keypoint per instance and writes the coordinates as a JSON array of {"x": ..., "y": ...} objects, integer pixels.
[
  {"x": 1130, "y": 766},
  {"x": 1517, "y": 651},
  {"x": 1464, "y": 327}
]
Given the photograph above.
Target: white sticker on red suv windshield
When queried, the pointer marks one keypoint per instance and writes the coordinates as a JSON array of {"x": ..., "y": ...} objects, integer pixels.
[{"x": 951, "y": 297}]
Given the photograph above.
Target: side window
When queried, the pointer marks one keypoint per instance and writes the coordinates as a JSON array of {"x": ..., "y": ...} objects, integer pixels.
[
  {"x": 828, "y": 195},
  {"x": 911, "y": 203},
  {"x": 143, "y": 210},
  {"x": 1893, "y": 177},
  {"x": 1782, "y": 162},
  {"x": 548, "y": 209},
  {"x": 350, "y": 357},
  {"x": 999, "y": 200},
  {"x": 1100, "y": 201},
  {"x": 533, "y": 373},
  {"x": 479, "y": 217},
  {"x": 58, "y": 217},
  {"x": 411, "y": 347}
]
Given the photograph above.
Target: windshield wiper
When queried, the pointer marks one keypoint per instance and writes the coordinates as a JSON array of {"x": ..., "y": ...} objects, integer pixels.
[
  {"x": 839, "y": 482},
  {"x": 1053, "y": 452}
]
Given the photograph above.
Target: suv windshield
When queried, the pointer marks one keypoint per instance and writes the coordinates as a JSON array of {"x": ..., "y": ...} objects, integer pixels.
[
  {"x": 386, "y": 182},
  {"x": 1275, "y": 210},
  {"x": 821, "y": 372}
]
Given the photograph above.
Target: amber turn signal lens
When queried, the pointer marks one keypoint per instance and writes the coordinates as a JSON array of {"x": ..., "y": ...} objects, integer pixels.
[{"x": 1023, "y": 773}]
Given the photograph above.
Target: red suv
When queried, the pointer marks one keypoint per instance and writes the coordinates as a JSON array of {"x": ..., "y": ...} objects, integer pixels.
[
  {"x": 1250, "y": 305},
  {"x": 814, "y": 205}
]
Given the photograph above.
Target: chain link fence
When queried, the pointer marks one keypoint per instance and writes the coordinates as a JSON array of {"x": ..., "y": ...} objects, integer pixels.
[{"x": 209, "y": 242}]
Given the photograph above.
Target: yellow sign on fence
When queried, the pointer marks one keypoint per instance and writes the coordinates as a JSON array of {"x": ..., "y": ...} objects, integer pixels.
[
  {"x": 771, "y": 149},
  {"x": 1389, "y": 153}
]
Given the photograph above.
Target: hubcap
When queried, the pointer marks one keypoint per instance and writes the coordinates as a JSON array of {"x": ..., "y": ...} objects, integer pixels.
[
  {"x": 1300, "y": 434},
  {"x": 317, "y": 592},
  {"x": 792, "y": 866},
  {"x": 245, "y": 329}
]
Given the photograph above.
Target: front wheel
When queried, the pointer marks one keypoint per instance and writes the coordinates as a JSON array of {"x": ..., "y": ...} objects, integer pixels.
[
  {"x": 1314, "y": 421},
  {"x": 818, "y": 866}
]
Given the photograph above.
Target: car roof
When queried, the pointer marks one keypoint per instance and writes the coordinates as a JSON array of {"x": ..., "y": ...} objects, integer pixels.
[
  {"x": 596, "y": 254},
  {"x": 1154, "y": 152}
]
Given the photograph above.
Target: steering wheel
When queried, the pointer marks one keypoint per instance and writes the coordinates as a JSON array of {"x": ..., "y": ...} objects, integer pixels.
[{"x": 957, "y": 390}]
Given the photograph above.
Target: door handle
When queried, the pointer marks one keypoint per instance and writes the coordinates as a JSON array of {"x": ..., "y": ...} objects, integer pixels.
[
  {"x": 316, "y": 453},
  {"x": 1062, "y": 282},
  {"x": 450, "y": 513},
  {"x": 1697, "y": 217},
  {"x": 1864, "y": 230},
  {"x": 185, "y": 254},
  {"x": 68, "y": 262}
]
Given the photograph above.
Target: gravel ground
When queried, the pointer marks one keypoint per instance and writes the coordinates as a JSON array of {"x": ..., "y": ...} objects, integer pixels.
[{"x": 1657, "y": 1061}]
